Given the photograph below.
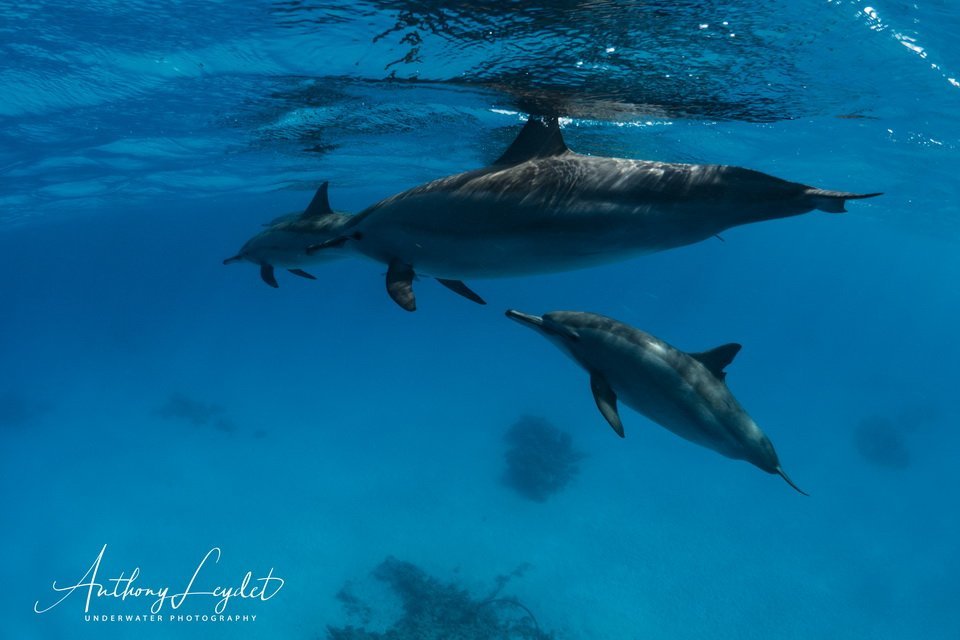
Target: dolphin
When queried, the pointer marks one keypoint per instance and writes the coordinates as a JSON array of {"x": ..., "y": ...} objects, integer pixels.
[
  {"x": 542, "y": 208},
  {"x": 285, "y": 240},
  {"x": 685, "y": 392}
]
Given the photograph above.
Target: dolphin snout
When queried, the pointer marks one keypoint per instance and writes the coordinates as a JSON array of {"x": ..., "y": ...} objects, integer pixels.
[
  {"x": 237, "y": 258},
  {"x": 524, "y": 318}
]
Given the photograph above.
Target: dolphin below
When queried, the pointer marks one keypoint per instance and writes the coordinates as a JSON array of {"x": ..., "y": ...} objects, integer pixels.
[
  {"x": 285, "y": 240},
  {"x": 684, "y": 392},
  {"x": 542, "y": 208}
]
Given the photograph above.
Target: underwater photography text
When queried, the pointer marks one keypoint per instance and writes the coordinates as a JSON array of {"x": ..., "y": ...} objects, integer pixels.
[{"x": 124, "y": 587}]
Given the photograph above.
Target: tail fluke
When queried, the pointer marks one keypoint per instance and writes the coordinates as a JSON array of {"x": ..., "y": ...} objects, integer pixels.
[
  {"x": 833, "y": 201},
  {"x": 789, "y": 481}
]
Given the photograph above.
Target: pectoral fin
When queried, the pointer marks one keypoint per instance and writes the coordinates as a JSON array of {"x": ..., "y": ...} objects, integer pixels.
[
  {"x": 332, "y": 243},
  {"x": 400, "y": 285},
  {"x": 458, "y": 287},
  {"x": 606, "y": 401},
  {"x": 302, "y": 274},
  {"x": 266, "y": 274}
]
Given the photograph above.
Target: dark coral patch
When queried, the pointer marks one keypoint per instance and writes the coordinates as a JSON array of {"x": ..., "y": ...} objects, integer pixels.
[
  {"x": 541, "y": 459},
  {"x": 436, "y": 610}
]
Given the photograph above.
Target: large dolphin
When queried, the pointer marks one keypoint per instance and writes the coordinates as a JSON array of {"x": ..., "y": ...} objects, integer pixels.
[
  {"x": 543, "y": 208},
  {"x": 285, "y": 240},
  {"x": 684, "y": 392}
]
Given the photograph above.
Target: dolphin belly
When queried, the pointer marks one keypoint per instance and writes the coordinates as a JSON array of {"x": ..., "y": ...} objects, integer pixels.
[
  {"x": 682, "y": 413},
  {"x": 678, "y": 398},
  {"x": 499, "y": 255},
  {"x": 287, "y": 249},
  {"x": 489, "y": 236}
]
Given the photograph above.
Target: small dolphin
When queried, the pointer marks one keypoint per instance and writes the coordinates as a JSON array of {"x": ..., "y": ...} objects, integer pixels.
[
  {"x": 285, "y": 240},
  {"x": 684, "y": 392},
  {"x": 542, "y": 208}
]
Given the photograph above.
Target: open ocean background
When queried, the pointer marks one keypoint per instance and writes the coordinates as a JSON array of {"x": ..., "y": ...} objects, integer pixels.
[{"x": 142, "y": 142}]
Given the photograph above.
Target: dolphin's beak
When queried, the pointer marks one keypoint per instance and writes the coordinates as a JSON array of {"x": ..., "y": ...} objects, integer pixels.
[
  {"x": 547, "y": 327},
  {"x": 526, "y": 319},
  {"x": 236, "y": 258}
]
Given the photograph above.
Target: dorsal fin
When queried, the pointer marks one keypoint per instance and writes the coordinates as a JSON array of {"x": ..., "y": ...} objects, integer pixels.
[
  {"x": 538, "y": 139},
  {"x": 320, "y": 205},
  {"x": 716, "y": 359}
]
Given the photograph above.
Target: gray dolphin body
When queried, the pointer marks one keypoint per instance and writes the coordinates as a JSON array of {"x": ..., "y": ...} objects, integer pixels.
[
  {"x": 543, "y": 208},
  {"x": 285, "y": 240},
  {"x": 684, "y": 392}
]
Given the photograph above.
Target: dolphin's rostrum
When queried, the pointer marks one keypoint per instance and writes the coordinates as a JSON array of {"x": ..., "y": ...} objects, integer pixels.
[{"x": 684, "y": 392}]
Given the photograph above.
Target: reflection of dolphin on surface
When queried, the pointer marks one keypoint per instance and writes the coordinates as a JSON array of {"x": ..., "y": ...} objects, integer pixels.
[
  {"x": 542, "y": 208},
  {"x": 684, "y": 392}
]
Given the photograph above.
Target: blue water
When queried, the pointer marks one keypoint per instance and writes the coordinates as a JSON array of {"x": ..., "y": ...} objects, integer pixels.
[{"x": 141, "y": 143}]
